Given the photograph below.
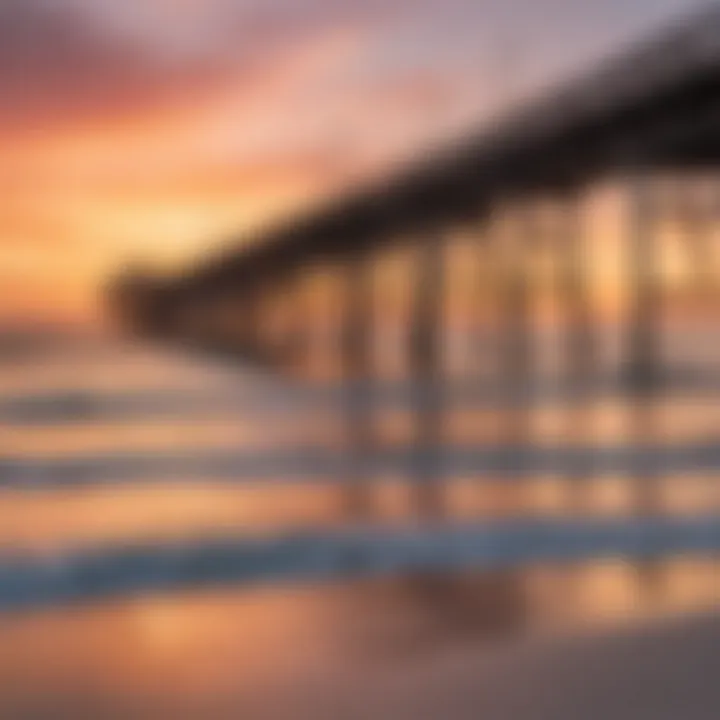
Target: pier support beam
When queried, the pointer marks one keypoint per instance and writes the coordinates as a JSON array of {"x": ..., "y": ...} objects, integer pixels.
[
  {"x": 579, "y": 342},
  {"x": 644, "y": 333},
  {"x": 357, "y": 369},
  {"x": 516, "y": 343},
  {"x": 426, "y": 370}
]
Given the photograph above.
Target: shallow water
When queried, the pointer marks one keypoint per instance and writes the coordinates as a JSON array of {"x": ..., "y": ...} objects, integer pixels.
[{"x": 230, "y": 652}]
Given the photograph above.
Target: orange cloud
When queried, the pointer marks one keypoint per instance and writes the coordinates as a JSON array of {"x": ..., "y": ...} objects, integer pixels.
[{"x": 158, "y": 181}]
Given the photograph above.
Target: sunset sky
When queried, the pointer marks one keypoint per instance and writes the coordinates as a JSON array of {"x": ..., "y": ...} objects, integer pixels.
[{"x": 153, "y": 130}]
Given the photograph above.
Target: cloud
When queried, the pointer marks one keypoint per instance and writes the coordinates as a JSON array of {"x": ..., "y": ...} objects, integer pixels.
[
  {"x": 76, "y": 58},
  {"x": 54, "y": 62},
  {"x": 81, "y": 57}
]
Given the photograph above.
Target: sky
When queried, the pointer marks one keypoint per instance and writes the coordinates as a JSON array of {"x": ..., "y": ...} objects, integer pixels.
[{"x": 153, "y": 131}]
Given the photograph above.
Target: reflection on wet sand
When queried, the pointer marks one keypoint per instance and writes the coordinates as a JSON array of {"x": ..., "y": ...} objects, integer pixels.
[{"x": 255, "y": 653}]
